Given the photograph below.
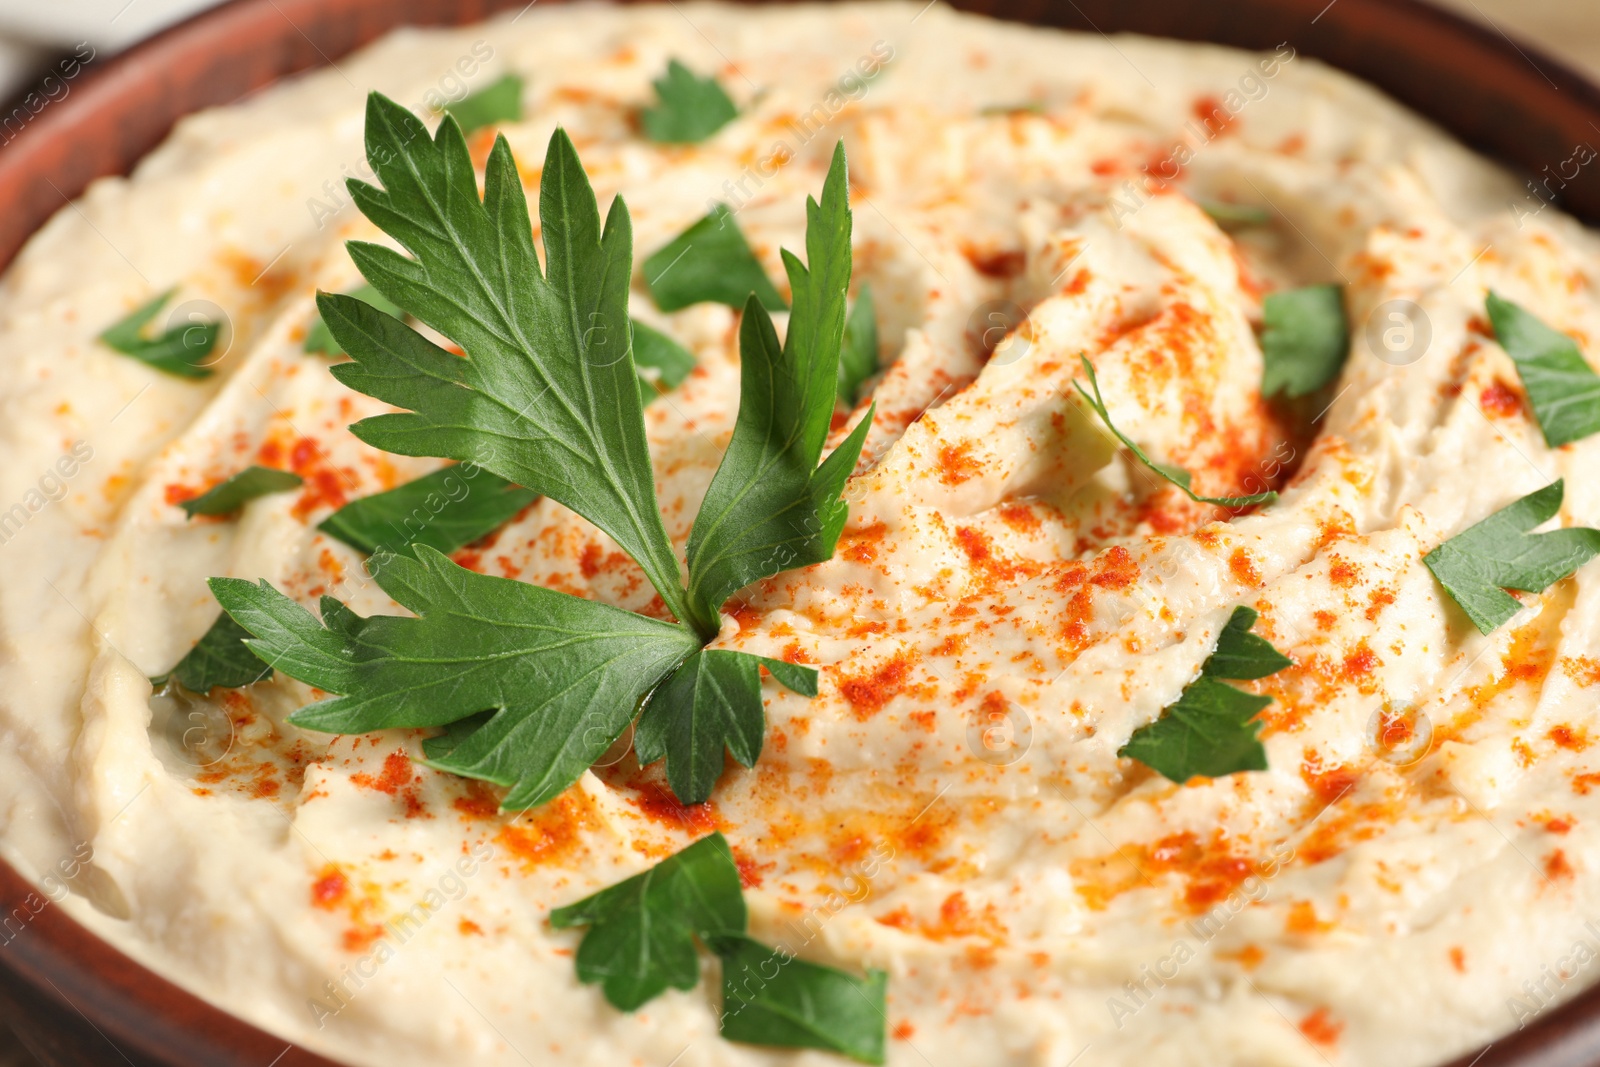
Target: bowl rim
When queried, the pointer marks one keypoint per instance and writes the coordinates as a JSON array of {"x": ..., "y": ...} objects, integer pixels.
[{"x": 53, "y": 967}]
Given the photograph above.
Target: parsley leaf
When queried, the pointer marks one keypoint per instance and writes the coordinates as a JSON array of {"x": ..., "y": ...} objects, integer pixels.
[
  {"x": 710, "y": 261},
  {"x": 770, "y": 507},
  {"x": 1211, "y": 729},
  {"x": 444, "y": 510},
  {"x": 859, "y": 359},
  {"x": 769, "y": 997},
  {"x": 563, "y": 674},
  {"x": 320, "y": 339},
  {"x": 1563, "y": 389},
  {"x": 1480, "y": 563},
  {"x": 1176, "y": 475},
  {"x": 180, "y": 351},
  {"x": 1241, "y": 655},
  {"x": 219, "y": 658},
  {"x": 711, "y": 702},
  {"x": 655, "y": 350},
  {"x": 499, "y": 101},
  {"x": 229, "y": 496},
  {"x": 1305, "y": 341},
  {"x": 642, "y": 930},
  {"x": 641, "y": 941},
  {"x": 688, "y": 109},
  {"x": 547, "y": 395}
]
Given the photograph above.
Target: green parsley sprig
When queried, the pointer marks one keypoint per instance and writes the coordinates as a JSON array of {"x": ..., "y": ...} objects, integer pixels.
[
  {"x": 180, "y": 351},
  {"x": 1306, "y": 339},
  {"x": 534, "y": 685},
  {"x": 859, "y": 359},
  {"x": 1563, "y": 389},
  {"x": 1211, "y": 729},
  {"x": 218, "y": 659},
  {"x": 656, "y": 351},
  {"x": 499, "y": 101},
  {"x": 1480, "y": 563},
  {"x": 688, "y": 109},
  {"x": 1175, "y": 475},
  {"x": 238, "y": 490},
  {"x": 711, "y": 261},
  {"x": 641, "y": 941}
]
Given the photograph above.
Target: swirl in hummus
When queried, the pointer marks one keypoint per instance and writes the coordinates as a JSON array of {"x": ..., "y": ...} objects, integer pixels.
[{"x": 1013, "y": 597}]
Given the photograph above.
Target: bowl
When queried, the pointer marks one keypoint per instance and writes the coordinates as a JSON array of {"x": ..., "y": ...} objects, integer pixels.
[{"x": 78, "y": 1002}]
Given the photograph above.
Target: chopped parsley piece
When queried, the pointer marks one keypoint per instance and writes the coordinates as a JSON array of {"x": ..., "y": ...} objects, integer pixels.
[
  {"x": 642, "y": 930},
  {"x": 533, "y": 685},
  {"x": 1176, "y": 475},
  {"x": 770, "y": 997},
  {"x": 1242, "y": 655},
  {"x": 1211, "y": 729},
  {"x": 1480, "y": 563},
  {"x": 181, "y": 351},
  {"x": 220, "y": 658},
  {"x": 710, "y": 703},
  {"x": 499, "y": 101},
  {"x": 444, "y": 510},
  {"x": 1563, "y": 389},
  {"x": 709, "y": 262},
  {"x": 320, "y": 339},
  {"x": 641, "y": 942},
  {"x": 859, "y": 360},
  {"x": 229, "y": 496},
  {"x": 1305, "y": 341},
  {"x": 688, "y": 109},
  {"x": 660, "y": 353}
]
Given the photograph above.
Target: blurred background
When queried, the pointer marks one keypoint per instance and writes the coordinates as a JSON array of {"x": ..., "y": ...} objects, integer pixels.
[{"x": 35, "y": 32}]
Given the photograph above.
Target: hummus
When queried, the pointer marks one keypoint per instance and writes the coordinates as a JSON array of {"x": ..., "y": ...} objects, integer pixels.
[{"x": 1415, "y": 874}]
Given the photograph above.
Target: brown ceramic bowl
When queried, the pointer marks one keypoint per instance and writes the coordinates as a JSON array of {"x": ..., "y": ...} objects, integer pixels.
[{"x": 76, "y": 1001}]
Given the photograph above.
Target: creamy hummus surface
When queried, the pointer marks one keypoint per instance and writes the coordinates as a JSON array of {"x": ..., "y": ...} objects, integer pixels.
[{"x": 1013, "y": 596}]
